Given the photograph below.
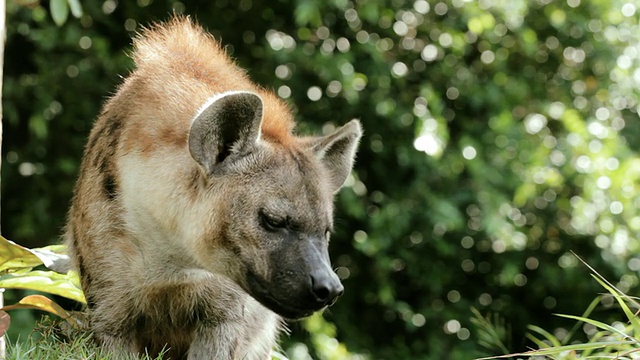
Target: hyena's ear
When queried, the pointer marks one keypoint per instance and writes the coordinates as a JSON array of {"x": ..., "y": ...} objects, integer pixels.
[
  {"x": 227, "y": 126},
  {"x": 337, "y": 151}
]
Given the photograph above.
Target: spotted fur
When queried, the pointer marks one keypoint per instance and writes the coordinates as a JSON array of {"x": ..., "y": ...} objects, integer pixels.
[{"x": 199, "y": 220}]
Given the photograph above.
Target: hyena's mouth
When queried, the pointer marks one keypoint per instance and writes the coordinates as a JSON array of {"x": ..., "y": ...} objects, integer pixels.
[{"x": 260, "y": 291}]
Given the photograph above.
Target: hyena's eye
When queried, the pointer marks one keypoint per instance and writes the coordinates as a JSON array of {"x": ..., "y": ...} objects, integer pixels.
[{"x": 271, "y": 222}]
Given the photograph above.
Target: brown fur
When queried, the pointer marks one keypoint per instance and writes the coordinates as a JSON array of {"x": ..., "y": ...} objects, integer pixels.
[
  {"x": 182, "y": 53},
  {"x": 198, "y": 218}
]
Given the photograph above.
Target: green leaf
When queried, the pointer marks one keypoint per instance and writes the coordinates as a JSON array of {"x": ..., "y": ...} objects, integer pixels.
[
  {"x": 66, "y": 285},
  {"x": 59, "y": 11},
  {"x": 76, "y": 8},
  {"x": 370, "y": 12},
  {"x": 307, "y": 12}
]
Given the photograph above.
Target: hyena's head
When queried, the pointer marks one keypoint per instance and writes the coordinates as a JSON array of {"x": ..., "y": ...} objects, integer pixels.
[{"x": 274, "y": 203}]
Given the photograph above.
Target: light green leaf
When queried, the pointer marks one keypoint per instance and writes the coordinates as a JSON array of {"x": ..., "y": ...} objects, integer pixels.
[
  {"x": 65, "y": 285},
  {"x": 14, "y": 256},
  {"x": 573, "y": 122},
  {"x": 76, "y": 8},
  {"x": 523, "y": 193},
  {"x": 59, "y": 11}
]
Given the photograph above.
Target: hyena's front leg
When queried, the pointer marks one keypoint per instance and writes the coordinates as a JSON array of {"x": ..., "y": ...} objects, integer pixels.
[
  {"x": 111, "y": 323},
  {"x": 216, "y": 342},
  {"x": 119, "y": 347},
  {"x": 235, "y": 340}
]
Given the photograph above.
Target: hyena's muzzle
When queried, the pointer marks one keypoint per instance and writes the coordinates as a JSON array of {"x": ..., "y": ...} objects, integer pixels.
[{"x": 301, "y": 280}]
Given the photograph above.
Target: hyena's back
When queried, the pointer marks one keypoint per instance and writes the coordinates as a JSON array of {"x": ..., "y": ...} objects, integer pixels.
[{"x": 190, "y": 187}]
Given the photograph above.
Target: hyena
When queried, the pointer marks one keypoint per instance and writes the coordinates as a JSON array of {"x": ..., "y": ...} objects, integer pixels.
[{"x": 199, "y": 221}]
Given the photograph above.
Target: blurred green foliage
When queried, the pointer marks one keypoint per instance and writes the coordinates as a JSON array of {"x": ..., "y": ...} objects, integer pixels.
[{"x": 499, "y": 135}]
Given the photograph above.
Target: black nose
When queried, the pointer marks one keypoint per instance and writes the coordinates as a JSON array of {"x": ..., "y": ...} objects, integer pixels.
[{"x": 326, "y": 287}]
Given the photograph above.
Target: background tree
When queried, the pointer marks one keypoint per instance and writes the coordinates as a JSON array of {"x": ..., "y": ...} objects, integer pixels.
[
  {"x": 498, "y": 137},
  {"x": 2, "y": 38}
]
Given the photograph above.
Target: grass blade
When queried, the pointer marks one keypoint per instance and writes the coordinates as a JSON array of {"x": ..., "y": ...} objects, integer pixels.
[
  {"x": 547, "y": 335},
  {"x": 601, "y": 325}
]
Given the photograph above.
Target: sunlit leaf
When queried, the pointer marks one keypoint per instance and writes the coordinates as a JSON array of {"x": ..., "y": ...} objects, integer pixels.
[
  {"x": 39, "y": 302},
  {"x": 14, "y": 257},
  {"x": 523, "y": 193},
  {"x": 574, "y": 122},
  {"x": 76, "y": 8},
  {"x": 59, "y": 11},
  {"x": 51, "y": 282}
]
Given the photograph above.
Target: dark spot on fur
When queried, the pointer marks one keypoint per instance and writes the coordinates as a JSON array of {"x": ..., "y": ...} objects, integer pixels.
[
  {"x": 113, "y": 127},
  {"x": 199, "y": 314},
  {"x": 109, "y": 185},
  {"x": 109, "y": 129},
  {"x": 235, "y": 248},
  {"x": 108, "y": 136},
  {"x": 85, "y": 278},
  {"x": 98, "y": 161},
  {"x": 194, "y": 181}
]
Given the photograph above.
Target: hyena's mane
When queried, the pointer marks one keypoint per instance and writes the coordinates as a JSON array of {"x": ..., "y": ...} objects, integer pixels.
[{"x": 178, "y": 67}]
